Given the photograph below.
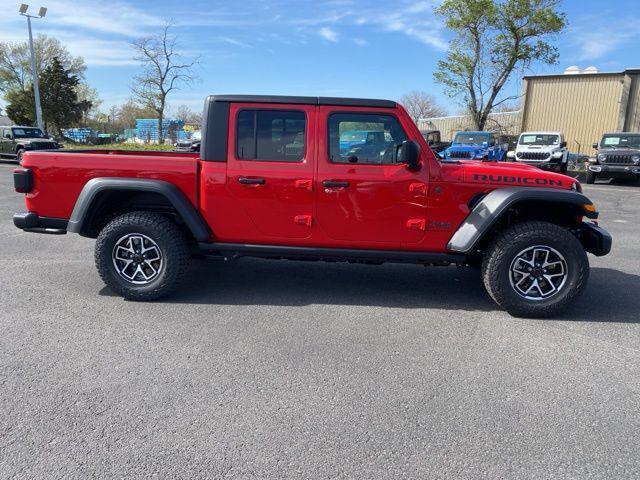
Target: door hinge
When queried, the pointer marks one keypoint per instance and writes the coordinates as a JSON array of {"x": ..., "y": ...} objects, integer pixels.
[
  {"x": 305, "y": 220},
  {"x": 417, "y": 224}
]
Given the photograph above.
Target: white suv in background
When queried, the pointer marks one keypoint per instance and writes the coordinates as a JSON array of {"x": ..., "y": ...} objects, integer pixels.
[{"x": 546, "y": 150}]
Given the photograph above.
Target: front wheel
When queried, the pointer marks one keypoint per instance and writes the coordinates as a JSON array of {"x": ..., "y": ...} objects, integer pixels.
[
  {"x": 19, "y": 154},
  {"x": 535, "y": 269},
  {"x": 591, "y": 177},
  {"x": 141, "y": 255}
]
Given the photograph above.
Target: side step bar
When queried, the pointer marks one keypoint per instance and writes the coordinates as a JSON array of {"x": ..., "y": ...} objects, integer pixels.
[{"x": 232, "y": 251}]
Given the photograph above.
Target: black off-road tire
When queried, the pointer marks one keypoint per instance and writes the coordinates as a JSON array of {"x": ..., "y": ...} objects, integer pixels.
[
  {"x": 591, "y": 177},
  {"x": 496, "y": 268},
  {"x": 169, "y": 239},
  {"x": 19, "y": 154}
]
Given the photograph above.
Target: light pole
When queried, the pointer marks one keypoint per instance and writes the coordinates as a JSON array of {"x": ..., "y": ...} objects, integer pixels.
[{"x": 36, "y": 88}]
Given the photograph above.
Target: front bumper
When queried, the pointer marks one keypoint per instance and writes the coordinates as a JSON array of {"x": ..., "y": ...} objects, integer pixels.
[
  {"x": 615, "y": 170},
  {"x": 543, "y": 164},
  {"x": 31, "y": 222},
  {"x": 595, "y": 239}
]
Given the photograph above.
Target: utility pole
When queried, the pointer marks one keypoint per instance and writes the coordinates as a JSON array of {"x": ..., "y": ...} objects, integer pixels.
[{"x": 36, "y": 87}]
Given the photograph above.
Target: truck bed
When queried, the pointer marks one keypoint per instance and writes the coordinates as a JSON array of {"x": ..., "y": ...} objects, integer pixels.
[{"x": 59, "y": 176}]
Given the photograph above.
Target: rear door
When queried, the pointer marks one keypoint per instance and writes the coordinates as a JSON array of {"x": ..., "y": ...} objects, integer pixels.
[
  {"x": 270, "y": 169},
  {"x": 364, "y": 196}
]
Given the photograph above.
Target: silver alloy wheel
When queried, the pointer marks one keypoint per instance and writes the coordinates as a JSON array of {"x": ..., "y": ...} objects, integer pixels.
[
  {"x": 538, "y": 273},
  {"x": 137, "y": 258}
]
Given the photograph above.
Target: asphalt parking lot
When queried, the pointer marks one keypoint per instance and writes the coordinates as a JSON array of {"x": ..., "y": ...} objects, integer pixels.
[{"x": 262, "y": 369}]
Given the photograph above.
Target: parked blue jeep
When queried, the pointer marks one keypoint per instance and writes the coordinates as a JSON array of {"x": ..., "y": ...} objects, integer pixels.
[
  {"x": 476, "y": 146},
  {"x": 360, "y": 138}
]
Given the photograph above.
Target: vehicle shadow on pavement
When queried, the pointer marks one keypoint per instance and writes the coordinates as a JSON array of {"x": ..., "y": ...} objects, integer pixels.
[
  {"x": 611, "y": 296},
  {"x": 286, "y": 283}
]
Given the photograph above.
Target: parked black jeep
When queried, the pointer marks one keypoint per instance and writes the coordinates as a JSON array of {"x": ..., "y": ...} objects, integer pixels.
[
  {"x": 14, "y": 141},
  {"x": 434, "y": 139},
  {"x": 618, "y": 157}
]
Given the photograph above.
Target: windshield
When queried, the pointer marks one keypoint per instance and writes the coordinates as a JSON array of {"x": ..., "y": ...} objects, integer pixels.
[
  {"x": 620, "y": 141},
  {"x": 27, "y": 133},
  {"x": 535, "y": 139},
  {"x": 471, "y": 138}
]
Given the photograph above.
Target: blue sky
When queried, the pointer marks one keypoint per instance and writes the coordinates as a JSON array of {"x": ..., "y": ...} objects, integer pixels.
[{"x": 362, "y": 48}]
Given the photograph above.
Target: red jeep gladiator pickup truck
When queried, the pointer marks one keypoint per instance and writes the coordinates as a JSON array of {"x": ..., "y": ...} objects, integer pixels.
[{"x": 311, "y": 178}]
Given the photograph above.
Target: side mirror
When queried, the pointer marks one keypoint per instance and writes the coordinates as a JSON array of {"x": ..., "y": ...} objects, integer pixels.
[
  {"x": 410, "y": 155},
  {"x": 563, "y": 144},
  {"x": 595, "y": 146}
]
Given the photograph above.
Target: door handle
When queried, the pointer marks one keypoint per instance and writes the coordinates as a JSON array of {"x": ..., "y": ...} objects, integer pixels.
[
  {"x": 251, "y": 181},
  {"x": 335, "y": 184}
]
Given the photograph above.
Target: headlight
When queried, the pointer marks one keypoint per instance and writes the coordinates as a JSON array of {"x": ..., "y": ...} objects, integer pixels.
[
  {"x": 557, "y": 155},
  {"x": 481, "y": 154},
  {"x": 601, "y": 156},
  {"x": 635, "y": 159}
]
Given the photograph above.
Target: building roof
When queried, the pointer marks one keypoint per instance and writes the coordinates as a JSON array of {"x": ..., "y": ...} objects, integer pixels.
[{"x": 628, "y": 71}]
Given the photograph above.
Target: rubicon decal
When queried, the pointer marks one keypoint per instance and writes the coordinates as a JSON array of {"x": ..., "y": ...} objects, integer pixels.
[{"x": 516, "y": 180}]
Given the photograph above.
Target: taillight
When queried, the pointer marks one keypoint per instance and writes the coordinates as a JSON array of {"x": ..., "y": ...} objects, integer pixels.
[{"x": 22, "y": 180}]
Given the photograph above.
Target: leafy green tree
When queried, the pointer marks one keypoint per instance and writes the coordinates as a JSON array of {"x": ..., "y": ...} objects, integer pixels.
[
  {"x": 15, "y": 61},
  {"x": 492, "y": 39},
  {"x": 21, "y": 106},
  {"x": 60, "y": 105}
]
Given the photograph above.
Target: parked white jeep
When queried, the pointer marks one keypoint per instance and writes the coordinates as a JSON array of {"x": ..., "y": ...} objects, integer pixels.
[{"x": 547, "y": 150}]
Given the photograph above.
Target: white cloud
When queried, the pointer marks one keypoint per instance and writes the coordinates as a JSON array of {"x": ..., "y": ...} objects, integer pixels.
[
  {"x": 360, "y": 42},
  {"x": 328, "y": 34},
  {"x": 595, "y": 41},
  {"x": 596, "y": 44},
  {"x": 234, "y": 41}
]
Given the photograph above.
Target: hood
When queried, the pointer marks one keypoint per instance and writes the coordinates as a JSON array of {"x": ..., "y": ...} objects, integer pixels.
[
  {"x": 509, "y": 174},
  {"x": 34, "y": 140},
  {"x": 619, "y": 151},
  {"x": 465, "y": 147},
  {"x": 537, "y": 148}
]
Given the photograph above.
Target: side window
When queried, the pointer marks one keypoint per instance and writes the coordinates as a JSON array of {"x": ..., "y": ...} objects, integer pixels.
[
  {"x": 364, "y": 138},
  {"x": 271, "y": 135}
]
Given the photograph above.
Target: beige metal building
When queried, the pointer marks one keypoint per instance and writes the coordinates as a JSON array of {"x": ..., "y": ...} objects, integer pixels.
[
  {"x": 505, "y": 122},
  {"x": 583, "y": 105}
]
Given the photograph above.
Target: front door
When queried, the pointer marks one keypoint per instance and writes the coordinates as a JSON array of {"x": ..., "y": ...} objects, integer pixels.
[
  {"x": 364, "y": 196},
  {"x": 5, "y": 141},
  {"x": 270, "y": 170}
]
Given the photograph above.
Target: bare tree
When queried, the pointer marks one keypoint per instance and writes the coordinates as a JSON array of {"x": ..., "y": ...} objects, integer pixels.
[
  {"x": 421, "y": 105},
  {"x": 188, "y": 115},
  {"x": 163, "y": 71}
]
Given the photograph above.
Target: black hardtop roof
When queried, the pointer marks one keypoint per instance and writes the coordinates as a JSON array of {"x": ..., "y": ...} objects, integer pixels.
[{"x": 349, "y": 102}]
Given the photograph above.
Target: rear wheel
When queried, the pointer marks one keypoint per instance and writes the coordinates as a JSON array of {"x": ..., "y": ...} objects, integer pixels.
[
  {"x": 535, "y": 269},
  {"x": 591, "y": 177},
  {"x": 19, "y": 154},
  {"x": 141, "y": 255}
]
